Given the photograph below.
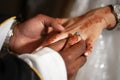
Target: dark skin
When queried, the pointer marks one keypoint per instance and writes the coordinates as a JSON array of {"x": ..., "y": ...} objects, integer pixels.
[{"x": 73, "y": 55}]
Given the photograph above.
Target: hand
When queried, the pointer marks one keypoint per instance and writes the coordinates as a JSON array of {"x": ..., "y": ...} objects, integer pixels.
[
  {"x": 90, "y": 26},
  {"x": 72, "y": 53},
  {"x": 29, "y": 34}
]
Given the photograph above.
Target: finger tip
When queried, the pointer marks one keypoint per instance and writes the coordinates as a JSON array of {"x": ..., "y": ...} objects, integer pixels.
[
  {"x": 86, "y": 53},
  {"x": 61, "y": 28}
]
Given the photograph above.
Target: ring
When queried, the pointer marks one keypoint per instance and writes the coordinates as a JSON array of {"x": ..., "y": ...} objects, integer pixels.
[{"x": 79, "y": 34}]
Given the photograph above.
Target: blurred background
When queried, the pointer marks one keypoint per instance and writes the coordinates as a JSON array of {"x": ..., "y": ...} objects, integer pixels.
[
  {"x": 29, "y": 8},
  {"x": 103, "y": 63}
]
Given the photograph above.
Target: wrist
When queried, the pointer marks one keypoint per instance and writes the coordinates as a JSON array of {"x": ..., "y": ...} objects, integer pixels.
[
  {"x": 6, "y": 33},
  {"x": 116, "y": 12},
  {"x": 102, "y": 17},
  {"x": 12, "y": 40},
  {"x": 108, "y": 17}
]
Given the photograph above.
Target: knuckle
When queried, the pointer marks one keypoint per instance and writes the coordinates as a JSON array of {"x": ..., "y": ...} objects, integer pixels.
[
  {"x": 71, "y": 71},
  {"x": 84, "y": 44},
  {"x": 69, "y": 57},
  {"x": 84, "y": 59}
]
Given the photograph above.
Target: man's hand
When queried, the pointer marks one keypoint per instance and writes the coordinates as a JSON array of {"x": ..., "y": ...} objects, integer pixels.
[
  {"x": 29, "y": 34},
  {"x": 72, "y": 53}
]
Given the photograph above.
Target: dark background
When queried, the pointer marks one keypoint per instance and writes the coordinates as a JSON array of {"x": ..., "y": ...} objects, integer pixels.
[{"x": 29, "y": 8}]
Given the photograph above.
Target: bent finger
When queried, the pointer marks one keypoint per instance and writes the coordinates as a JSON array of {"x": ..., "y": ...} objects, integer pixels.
[
  {"x": 57, "y": 46},
  {"x": 79, "y": 48},
  {"x": 79, "y": 62},
  {"x": 57, "y": 25},
  {"x": 72, "y": 39},
  {"x": 50, "y": 22}
]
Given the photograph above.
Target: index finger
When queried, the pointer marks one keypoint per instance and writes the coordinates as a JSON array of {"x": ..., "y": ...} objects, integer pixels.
[{"x": 78, "y": 49}]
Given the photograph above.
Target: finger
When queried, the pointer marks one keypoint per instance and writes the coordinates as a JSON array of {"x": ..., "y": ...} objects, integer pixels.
[
  {"x": 79, "y": 48},
  {"x": 90, "y": 43},
  {"x": 62, "y": 20},
  {"x": 57, "y": 26},
  {"x": 79, "y": 62},
  {"x": 57, "y": 46},
  {"x": 89, "y": 49},
  {"x": 71, "y": 40},
  {"x": 50, "y": 22},
  {"x": 74, "y": 67}
]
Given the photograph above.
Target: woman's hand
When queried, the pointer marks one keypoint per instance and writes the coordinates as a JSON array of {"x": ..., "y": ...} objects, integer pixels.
[
  {"x": 29, "y": 34},
  {"x": 89, "y": 26}
]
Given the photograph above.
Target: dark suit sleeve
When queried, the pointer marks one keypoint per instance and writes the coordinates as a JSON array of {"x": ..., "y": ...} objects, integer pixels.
[{"x": 13, "y": 68}]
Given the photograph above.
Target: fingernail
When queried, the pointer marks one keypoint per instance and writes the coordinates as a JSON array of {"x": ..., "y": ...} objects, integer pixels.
[{"x": 86, "y": 54}]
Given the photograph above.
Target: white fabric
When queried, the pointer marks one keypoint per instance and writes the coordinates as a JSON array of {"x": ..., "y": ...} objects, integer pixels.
[
  {"x": 4, "y": 29},
  {"x": 48, "y": 63}
]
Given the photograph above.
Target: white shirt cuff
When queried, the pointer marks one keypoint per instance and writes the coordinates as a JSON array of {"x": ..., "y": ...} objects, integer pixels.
[
  {"x": 4, "y": 29},
  {"x": 48, "y": 63}
]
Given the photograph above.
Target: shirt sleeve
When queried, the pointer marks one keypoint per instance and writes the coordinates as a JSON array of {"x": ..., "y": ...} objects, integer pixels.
[
  {"x": 48, "y": 63},
  {"x": 4, "y": 29}
]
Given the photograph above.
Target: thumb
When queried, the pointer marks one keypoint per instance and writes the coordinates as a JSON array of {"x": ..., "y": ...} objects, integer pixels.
[{"x": 57, "y": 26}]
